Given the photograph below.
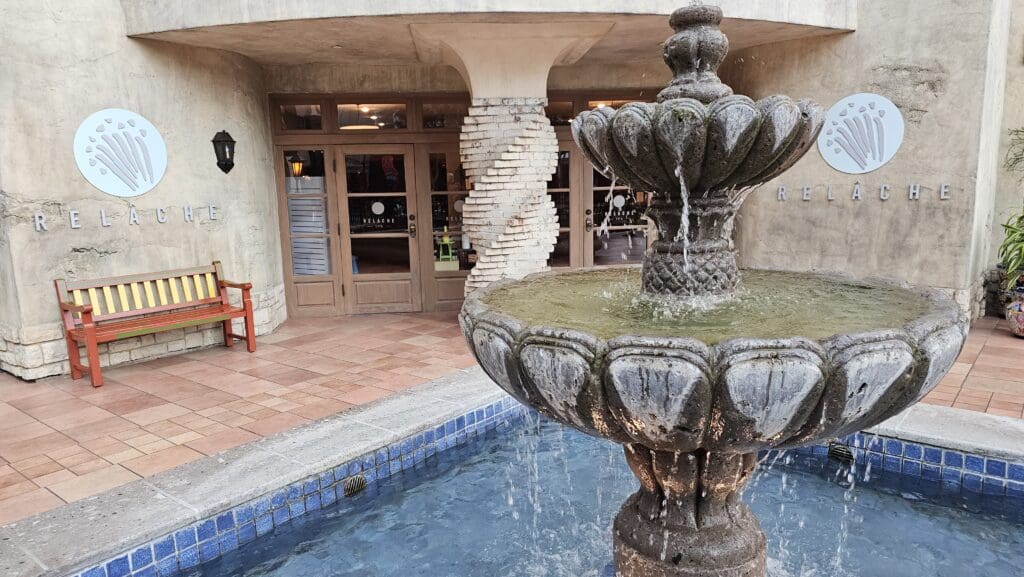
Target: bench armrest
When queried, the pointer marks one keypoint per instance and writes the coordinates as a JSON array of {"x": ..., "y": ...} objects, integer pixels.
[
  {"x": 73, "y": 308},
  {"x": 238, "y": 285}
]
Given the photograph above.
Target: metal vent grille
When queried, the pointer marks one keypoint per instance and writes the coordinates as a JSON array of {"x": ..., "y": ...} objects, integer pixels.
[{"x": 354, "y": 485}]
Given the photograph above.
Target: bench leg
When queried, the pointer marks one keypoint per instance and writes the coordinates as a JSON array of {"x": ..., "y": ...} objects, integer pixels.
[
  {"x": 93, "y": 350},
  {"x": 74, "y": 357},
  {"x": 250, "y": 326},
  {"x": 229, "y": 339}
]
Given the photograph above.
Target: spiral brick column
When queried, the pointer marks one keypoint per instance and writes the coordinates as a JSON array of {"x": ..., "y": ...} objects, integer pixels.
[{"x": 509, "y": 151}]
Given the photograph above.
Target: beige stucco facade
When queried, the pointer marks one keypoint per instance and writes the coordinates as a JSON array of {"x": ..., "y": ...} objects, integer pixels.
[{"x": 194, "y": 68}]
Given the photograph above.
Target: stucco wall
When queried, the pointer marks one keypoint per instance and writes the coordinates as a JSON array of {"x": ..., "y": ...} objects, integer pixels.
[
  {"x": 64, "y": 61},
  {"x": 1009, "y": 189},
  {"x": 935, "y": 73}
]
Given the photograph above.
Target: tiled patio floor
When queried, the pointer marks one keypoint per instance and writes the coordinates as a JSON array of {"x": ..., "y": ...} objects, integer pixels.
[
  {"x": 989, "y": 375},
  {"x": 62, "y": 440}
]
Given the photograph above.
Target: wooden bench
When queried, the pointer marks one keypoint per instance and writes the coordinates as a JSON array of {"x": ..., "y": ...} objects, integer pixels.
[{"x": 109, "y": 309}]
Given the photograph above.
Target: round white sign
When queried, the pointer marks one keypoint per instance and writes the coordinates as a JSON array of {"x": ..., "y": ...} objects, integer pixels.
[
  {"x": 458, "y": 205},
  {"x": 862, "y": 133},
  {"x": 377, "y": 208},
  {"x": 618, "y": 201},
  {"x": 120, "y": 152}
]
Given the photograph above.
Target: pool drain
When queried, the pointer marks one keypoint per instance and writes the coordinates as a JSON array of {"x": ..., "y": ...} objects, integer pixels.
[
  {"x": 840, "y": 452},
  {"x": 354, "y": 485}
]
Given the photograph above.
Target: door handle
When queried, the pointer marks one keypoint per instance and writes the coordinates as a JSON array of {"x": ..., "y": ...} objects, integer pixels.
[
  {"x": 412, "y": 230},
  {"x": 588, "y": 223}
]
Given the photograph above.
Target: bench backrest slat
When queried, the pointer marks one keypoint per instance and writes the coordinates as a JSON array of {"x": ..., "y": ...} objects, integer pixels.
[{"x": 134, "y": 295}]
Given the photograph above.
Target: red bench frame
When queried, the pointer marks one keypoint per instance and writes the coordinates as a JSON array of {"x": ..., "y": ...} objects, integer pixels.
[{"x": 108, "y": 309}]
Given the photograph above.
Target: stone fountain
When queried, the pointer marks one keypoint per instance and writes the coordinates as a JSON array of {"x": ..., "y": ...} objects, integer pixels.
[{"x": 692, "y": 412}]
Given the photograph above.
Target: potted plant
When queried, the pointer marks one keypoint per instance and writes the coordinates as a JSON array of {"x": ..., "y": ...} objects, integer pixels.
[{"x": 1011, "y": 254}]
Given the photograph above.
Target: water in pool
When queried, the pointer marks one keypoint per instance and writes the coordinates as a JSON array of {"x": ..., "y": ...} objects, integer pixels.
[{"x": 538, "y": 501}]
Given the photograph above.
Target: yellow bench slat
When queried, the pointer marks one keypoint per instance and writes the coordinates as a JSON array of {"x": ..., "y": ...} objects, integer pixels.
[
  {"x": 185, "y": 289},
  {"x": 175, "y": 297},
  {"x": 122, "y": 295},
  {"x": 135, "y": 295},
  {"x": 210, "y": 286},
  {"x": 94, "y": 300},
  {"x": 199, "y": 287},
  {"x": 161, "y": 292},
  {"x": 149, "y": 293}
]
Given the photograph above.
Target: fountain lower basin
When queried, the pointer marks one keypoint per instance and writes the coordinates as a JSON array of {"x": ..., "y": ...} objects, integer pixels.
[{"x": 693, "y": 395}]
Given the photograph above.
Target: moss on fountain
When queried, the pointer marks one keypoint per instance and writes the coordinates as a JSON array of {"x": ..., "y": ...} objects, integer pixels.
[{"x": 769, "y": 304}]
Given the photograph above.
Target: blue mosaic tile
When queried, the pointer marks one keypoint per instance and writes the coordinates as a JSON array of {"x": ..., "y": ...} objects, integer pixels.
[
  {"x": 355, "y": 467},
  {"x": 185, "y": 538},
  {"x": 371, "y": 476},
  {"x": 911, "y": 468},
  {"x": 953, "y": 459},
  {"x": 470, "y": 418},
  {"x": 264, "y": 524},
  {"x": 294, "y": 509},
  {"x": 246, "y": 532},
  {"x": 449, "y": 428},
  {"x": 367, "y": 462},
  {"x": 395, "y": 451},
  {"x": 209, "y": 550},
  {"x": 950, "y": 475},
  {"x": 875, "y": 444},
  {"x": 460, "y": 423},
  {"x": 294, "y": 491},
  {"x": 206, "y": 530},
  {"x": 407, "y": 461},
  {"x": 972, "y": 482},
  {"x": 118, "y": 567},
  {"x": 246, "y": 513},
  {"x": 327, "y": 479},
  {"x": 1015, "y": 489},
  {"x": 163, "y": 548},
  {"x": 95, "y": 572},
  {"x": 875, "y": 461},
  {"x": 328, "y": 497},
  {"x": 279, "y": 499},
  {"x": 974, "y": 463},
  {"x": 141, "y": 557},
  {"x": 188, "y": 557},
  {"x": 995, "y": 467},
  {"x": 893, "y": 447},
  {"x": 313, "y": 502},
  {"x": 224, "y": 522},
  {"x": 933, "y": 455},
  {"x": 228, "y": 541},
  {"x": 281, "y": 516},
  {"x": 931, "y": 472},
  {"x": 1016, "y": 472},
  {"x": 911, "y": 451},
  {"x": 382, "y": 456},
  {"x": 992, "y": 486},
  {"x": 147, "y": 572},
  {"x": 167, "y": 567}
]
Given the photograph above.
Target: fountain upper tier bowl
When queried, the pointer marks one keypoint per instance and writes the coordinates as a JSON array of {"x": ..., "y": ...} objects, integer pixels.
[{"x": 792, "y": 359}]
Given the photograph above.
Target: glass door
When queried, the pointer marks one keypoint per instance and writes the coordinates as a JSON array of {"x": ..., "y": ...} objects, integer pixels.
[
  {"x": 376, "y": 185},
  {"x": 615, "y": 229},
  {"x": 450, "y": 255}
]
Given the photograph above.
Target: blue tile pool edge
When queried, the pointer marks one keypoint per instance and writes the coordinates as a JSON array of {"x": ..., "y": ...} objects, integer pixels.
[
  {"x": 210, "y": 538},
  {"x": 214, "y": 536}
]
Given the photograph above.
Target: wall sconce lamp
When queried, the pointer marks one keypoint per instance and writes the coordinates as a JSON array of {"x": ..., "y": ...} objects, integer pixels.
[
  {"x": 295, "y": 165},
  {"x": 224, "y": 148}
]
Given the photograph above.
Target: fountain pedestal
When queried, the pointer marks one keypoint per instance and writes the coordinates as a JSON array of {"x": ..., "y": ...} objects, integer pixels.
[
  {"x": 687, "y": 519},
  {"x": 705, "y": 264}
]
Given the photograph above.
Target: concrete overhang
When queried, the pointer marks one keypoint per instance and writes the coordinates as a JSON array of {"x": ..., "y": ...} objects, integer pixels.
[{"x": 293, "y": 32}]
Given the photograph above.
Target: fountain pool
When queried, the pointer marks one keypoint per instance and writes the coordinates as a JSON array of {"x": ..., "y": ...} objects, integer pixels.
[{"x": 539, "y": 500}]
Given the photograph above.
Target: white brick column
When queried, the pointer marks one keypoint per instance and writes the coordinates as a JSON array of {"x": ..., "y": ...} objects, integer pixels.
[{"x": 509, "y": 150}]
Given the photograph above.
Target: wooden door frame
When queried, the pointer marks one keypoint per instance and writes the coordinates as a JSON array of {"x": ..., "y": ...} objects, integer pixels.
[
  {"x": 411, "y": 194},
  {"x": 290, "y": 279}
]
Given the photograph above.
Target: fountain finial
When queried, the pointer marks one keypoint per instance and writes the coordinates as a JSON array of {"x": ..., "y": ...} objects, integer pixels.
[{"x": 694, "y": 54}]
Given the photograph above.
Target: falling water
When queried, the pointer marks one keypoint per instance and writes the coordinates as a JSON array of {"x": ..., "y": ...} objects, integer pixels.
[{"x": 683, "y": 235}]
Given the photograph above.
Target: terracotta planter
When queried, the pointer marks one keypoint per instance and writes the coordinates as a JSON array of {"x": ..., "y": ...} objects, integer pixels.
[{"x": 1015, "y": 315}]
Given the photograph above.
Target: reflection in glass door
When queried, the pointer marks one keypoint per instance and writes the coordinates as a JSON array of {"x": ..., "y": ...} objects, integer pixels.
[
  {"x": 377, "y": 188},
  {"x": 617, "y": 230}
]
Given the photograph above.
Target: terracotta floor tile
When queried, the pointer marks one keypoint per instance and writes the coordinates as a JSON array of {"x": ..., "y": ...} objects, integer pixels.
[
  {"x": 131, "y": 403},
  {"x": 13, "y": 417},
  {"x": 35, "y": 446},
  {"x": 184, "y": 438},
  {"x": 77, "y": 418},
  {"x": 168, "y": 458},
  {"x": 321, "y": 409},
  {"x": 27, "y": 504},
  {"x": 19, "y": 488},
  {"x": 274, "y": 424},
  {"x": 211, "y": 399},
  {"x": 93, "y": 483},
  {"x": 52, "y": 478},
  {"x": 155, "y": 446},
  {"x": 363, "y": 395},
  {"x": 157, "y": 413},
  {"x": 89, "y": 466},
  {"x": 98, "y": 429},
  {"x": 222, "y": 441},
  {"x": 123, "y": 455}
]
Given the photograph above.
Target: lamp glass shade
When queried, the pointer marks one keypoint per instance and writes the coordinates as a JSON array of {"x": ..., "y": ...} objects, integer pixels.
[{"x": 224, "y": 148}]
